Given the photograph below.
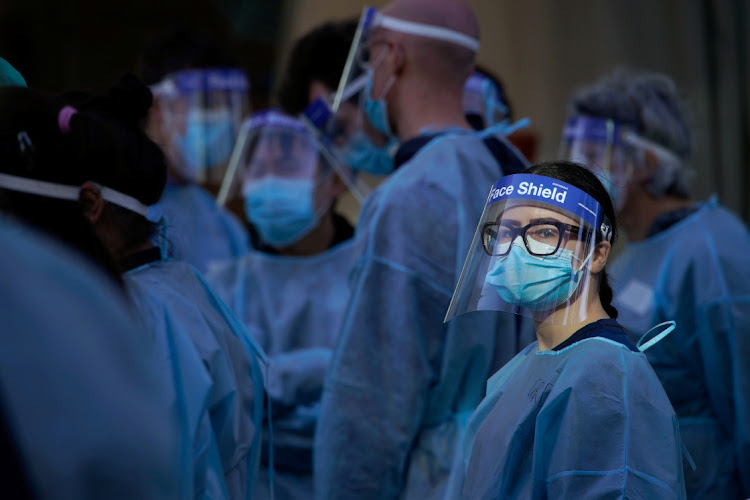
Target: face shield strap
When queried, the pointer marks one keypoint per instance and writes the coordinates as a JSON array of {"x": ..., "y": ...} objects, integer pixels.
[
  {"x": 426, "y": 31},
  {"x": 67, "y": 192},
  {"x": 665, "y": 157}
]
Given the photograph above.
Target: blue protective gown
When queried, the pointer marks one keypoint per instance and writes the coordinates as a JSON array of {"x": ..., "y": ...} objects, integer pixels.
[
  {"x": 697, "y": 272},
  {"x": 588, "y": 421},
  {"x": 402, "y": 383},
  {"x": 295, "y": 305},
  {"x": 80, "y": 386},
  {"x": 199, "y": 231},
  {"x": 222, "y": 385}
]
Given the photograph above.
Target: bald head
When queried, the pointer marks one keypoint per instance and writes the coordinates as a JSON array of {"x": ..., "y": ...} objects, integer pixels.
[{"x": 440, "y": 62}]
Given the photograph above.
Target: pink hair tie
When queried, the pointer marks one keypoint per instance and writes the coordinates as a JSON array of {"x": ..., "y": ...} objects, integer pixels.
[{"x": 63, "y": 118}]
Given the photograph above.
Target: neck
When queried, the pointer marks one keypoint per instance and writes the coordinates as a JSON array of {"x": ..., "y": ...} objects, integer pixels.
[
  {"x": 551, "y": 331},
  {"x": 124, "y": 252},
  {"x": 316, "y": 241},
  {"x": 642, "y": 209},
  {"x": 419, "y": 106}
]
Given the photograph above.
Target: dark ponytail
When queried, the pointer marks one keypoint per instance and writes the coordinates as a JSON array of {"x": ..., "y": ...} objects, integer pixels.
[{"x": 581, "y": 177}]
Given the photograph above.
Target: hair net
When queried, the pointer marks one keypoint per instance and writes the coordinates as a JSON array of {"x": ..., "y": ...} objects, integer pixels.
[{"x": 651, "y": 104}]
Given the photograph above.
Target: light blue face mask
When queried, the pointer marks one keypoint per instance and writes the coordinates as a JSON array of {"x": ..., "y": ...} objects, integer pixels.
[
  {"x": 376, "y": 110},
  {"x": 361, "y": 154},
  {"x": 281, "y": 209},
  {"x": 536, "y": 283},
  {"x": 208, "y": 139}
]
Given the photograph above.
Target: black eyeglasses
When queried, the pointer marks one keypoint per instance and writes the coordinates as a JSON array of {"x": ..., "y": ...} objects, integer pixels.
[{"x": 541, "y": 237}]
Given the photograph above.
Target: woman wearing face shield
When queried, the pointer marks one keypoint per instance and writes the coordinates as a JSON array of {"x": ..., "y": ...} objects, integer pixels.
[{"x": 579, "y": 412}]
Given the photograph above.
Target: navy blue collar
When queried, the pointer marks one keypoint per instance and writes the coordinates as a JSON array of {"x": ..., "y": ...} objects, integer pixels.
[{"x": 506, "y": 157}]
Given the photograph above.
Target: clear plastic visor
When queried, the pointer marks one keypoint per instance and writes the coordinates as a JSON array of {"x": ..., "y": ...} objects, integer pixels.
[
  {"x": 202, "y": 111},
  {"x": 531, "y": 257},
  {"x": 599, "y": 145},
  {"x": 271, "y": 145}
]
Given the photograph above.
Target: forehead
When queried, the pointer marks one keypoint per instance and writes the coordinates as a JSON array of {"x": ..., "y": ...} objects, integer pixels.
[{"x": 523, "y": 214}]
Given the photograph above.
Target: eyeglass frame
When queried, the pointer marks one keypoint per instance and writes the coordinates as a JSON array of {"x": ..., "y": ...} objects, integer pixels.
[{"x": 562, "y": 227}]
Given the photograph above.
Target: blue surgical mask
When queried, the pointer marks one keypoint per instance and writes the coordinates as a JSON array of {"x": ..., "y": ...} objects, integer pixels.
[
  {"x": 536, "y": 283},
  {"x": 361, "y": 154},
  {"x": 377, "y": 109},
  {"x": 281, "y": 209},
  {"x": 208, "y": 140}
]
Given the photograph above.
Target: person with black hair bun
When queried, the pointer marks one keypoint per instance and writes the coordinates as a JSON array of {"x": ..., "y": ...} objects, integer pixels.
[
  {"x": 222, "y": 382},
  {"x": 83, "y": 393},
  {"x": 579, "y": 413}
]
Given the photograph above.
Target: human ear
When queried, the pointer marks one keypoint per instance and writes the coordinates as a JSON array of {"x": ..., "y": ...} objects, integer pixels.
[
  {"x": 91, "y": 202},
  {"x": 398, "y": 58},
  {"x": 600, "y": 256}
]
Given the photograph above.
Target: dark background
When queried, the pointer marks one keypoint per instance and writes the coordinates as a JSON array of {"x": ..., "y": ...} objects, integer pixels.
[{"x": 89, "y": 44}]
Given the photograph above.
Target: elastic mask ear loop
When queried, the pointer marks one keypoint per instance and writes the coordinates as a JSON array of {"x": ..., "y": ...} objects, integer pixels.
[
  {"x": 670, "y": 326},
  {"x": 390, "y": 81}
]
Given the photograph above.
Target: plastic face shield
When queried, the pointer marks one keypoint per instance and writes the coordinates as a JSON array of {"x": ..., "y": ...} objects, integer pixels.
[
  {"x": 531, "y": 251},
  {"x": 366, "y": 53},
  {"x": 602, "y": 146},
  {"x": 202, "y": 111},
  {"x": 271, "y": 144},
  {"x": 483, "y": 99}
]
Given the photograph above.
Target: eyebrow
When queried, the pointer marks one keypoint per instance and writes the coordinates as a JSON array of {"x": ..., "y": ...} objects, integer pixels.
[{"x": 546, "y": 220}]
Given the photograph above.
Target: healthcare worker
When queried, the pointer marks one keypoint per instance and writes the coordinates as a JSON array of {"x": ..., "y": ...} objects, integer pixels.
[
  {"x": 401, "y": 383},
  {"x": 685, "y": 260},
  {"x": 205, "y": 353},
  {"x": 200, "y": 100},
  {"x": 579, "y": 413},
  {"x": 291, "y": 289},
  {"x": 84, "y": 390}
]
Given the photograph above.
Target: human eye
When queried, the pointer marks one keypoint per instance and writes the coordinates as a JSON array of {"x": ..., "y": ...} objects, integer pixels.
[{"x": 545, "y": 233}]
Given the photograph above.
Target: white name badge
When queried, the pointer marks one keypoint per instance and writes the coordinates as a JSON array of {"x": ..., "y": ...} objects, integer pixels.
[{"x": 637, "y": 296}]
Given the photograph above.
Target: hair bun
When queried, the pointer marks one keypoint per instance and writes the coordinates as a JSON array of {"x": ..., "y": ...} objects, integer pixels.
[{"x": 131, "y": 99}]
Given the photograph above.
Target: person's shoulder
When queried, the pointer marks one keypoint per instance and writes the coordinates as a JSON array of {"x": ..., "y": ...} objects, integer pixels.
[{"x": 599, "y": 353}]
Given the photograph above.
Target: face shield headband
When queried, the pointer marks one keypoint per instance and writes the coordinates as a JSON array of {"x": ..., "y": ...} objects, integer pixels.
[
  {"x": 553, "y": 192},
  {"x": 67, "y": 192}
]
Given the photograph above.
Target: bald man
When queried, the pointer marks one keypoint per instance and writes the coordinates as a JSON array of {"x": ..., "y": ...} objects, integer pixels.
[{"x": 402, "y": 384}]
